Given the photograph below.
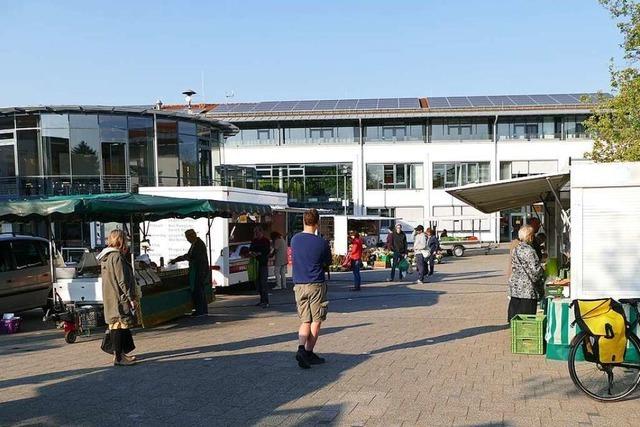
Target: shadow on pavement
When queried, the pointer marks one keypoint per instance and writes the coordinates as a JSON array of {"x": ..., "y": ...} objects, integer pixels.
[{"x": 464, "y": 333}]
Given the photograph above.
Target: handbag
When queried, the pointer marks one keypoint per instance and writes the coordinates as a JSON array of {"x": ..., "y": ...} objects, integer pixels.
[
  {"x": 127, "y": 342},
  {"x": 347, "y": 262}
]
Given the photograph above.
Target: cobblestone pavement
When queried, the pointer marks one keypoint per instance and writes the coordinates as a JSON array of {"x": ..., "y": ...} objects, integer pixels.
[{"x": 397, "y": 354}]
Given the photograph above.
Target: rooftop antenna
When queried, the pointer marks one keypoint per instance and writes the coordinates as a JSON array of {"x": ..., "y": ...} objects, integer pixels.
[
  {"x": 188, "y": 95},
  {"x": 158, "y": 105},
  {"x": 229, "y": 95}
]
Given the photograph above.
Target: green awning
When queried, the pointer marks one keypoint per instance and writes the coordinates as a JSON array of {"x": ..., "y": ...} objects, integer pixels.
[{"x": 121, "y": 207}]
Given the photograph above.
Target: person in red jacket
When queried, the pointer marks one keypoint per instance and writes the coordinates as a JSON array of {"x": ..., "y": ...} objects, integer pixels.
[{"x": 355, "y": 255}]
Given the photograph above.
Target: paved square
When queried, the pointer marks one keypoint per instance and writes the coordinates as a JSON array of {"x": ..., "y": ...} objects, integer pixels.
[{"x": 397, "y": 354}]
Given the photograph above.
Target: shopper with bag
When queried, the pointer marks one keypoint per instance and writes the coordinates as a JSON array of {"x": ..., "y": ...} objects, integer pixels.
[
  {"x": 118, "y": 293},
  {"x": 421, "y": 253},
  {"x": 526, "y": 282},
  {"x": 355, "y": 257}
]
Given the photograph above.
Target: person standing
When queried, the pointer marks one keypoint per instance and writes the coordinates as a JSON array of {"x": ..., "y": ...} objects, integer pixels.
[
  {"x": 260, "y": 248},
  {"x": 526, "y": 282},
  {"x": 399, "y": 248},
  {"x": 536, "y": 244},
  {"x": 433, "y": 245},
  {"x": 421, "y": 253},
  {"x": 355, "y": 255},
  {"x": 280, "y": 259},
  {"x": 199, "y": 271},
  {"x": 118, "y": 293},
  {"x": 310, "y": 255},
  {"x": 389, "y": 242}
]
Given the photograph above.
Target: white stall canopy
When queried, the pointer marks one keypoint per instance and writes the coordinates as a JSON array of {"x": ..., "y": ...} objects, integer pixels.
[{"x": 510, "y": 193}]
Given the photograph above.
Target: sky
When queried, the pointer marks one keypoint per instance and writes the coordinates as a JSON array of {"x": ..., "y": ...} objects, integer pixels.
[{"x": 135, "y": 52}]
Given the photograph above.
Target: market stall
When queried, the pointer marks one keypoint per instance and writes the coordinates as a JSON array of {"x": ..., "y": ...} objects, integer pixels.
[
  {"x": 592, "y": 237},
  {"x": 163, "y": 291}
]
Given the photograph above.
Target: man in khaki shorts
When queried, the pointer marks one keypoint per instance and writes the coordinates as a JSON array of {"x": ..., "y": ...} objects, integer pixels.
[{"x": 310, "y": 254}]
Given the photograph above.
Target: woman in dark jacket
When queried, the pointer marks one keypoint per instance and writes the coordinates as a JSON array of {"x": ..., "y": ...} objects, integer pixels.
[
  {"x": 526, "y": 280},
  {"x": 118, "y": 294}
]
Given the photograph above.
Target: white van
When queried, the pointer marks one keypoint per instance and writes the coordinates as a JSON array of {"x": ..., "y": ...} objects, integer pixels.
[{"x": 25, "y": 276}]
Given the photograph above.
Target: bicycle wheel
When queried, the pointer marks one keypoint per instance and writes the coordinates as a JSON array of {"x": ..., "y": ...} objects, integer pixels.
[{"x": 604, "y": 382}]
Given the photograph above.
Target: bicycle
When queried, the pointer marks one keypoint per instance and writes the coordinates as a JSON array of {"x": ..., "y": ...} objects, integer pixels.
[{"x": 606, "y": 382}]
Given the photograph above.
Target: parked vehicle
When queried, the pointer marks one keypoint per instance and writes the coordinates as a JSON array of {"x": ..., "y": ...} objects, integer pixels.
[{"x": 25, "y": 274}]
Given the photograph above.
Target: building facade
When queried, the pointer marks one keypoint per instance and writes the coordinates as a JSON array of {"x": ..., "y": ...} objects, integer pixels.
[
  {"x": 88, "y": 150},
  {"x": 396, "y": 157}
]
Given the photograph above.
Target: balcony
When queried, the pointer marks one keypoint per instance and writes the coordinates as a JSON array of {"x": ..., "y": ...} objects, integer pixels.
[{"x": 66, "y": 185}]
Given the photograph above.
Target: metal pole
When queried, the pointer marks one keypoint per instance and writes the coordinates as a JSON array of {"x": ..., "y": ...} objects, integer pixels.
[{"x": 344, "y": 200}]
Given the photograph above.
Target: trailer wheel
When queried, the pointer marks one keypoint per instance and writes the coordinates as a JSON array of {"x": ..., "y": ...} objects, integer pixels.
[
  {"x": 458, "y": 251},
  {"x": 70, "y": 337}
]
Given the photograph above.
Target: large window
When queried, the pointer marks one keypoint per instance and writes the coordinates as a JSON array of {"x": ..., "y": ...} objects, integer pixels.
[
  {"x": 188, "y": 143},
  {"x": 448, "y": 175},
  {"x": 395, "y": 176},
  {"x": 519, "y": 169},
  {"x": 141, "y": 159},
  {"x": 55, "y": 139},
  {"x": 529, "y": 127},
  {"x": 85, "y": 145},
  {"x": 168, "y": 166},
  {"x": 394, "y": 133},
  {"x": 267, "y": 135},
  {"x": 385, "y": 212},
  {"x": 574, "y": 127},
  {"x": 461, "y": 129},
  {"x": 321, "y": 134},
  {"x": 28, "y": 157},
  {"x": 307, "y": 183}
]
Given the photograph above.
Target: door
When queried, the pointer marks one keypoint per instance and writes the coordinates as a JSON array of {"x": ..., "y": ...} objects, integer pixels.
[
  {"x": 114, "y": 167},
  {"x": 516, "y": 220}
]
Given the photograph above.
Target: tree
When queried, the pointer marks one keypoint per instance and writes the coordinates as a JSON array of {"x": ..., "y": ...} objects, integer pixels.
[{"x": 615, "y": 123}]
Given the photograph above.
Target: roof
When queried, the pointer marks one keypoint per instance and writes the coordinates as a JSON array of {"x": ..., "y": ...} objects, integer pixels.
[
  {"x": 402, "y": 107},
  {"x": 225, "y": 126},
  {"x": 121, "y": 207},
  {"x": 510, "y": 193}
]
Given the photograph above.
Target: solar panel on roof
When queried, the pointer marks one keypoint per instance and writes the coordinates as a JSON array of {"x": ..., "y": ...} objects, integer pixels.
[
  {"x": 243, "y": 108},
  {"x": 285, "y": 106},
  {"x": 367, "y": 104},
  {"x": 480, "y": 101},
  {"x": 565, "y": 99},
  {"x": 265, "y": 106},
  {"x": 223, "y": 108},
  {"x": 543, "y": 99},
  {"x": 346, "y": 104},
  {"x": 522, "y": 100},
  {"x": 384, "y": 103},
  {"x": 501, "y": 100},
  {"x": 408, "y": 103},
  {"x": 305, "y": 105},
  {"x": 326, "y": 105},
  {"x": 438, "y": 102},
  {"x": 458, "y": 101},
  {"x": 591, "y": 96}
]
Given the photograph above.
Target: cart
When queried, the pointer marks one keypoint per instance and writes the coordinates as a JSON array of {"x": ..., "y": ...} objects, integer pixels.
[
  {"x": 459, "y": 247},
  {"x": 74, "y": 320}
]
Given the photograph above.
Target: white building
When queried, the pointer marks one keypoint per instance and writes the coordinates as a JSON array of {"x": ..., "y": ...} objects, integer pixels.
[{"x": 397, "y": 156}]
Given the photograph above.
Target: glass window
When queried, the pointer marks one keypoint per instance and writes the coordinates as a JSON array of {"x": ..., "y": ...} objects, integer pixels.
[
  {"x": 264, "y": 134},
  {"x": 6, "y": 263},
  {"x": 186, "y": 128},
  {"x": 83, "y": 121},
  {"x": 375, "y": 177},
  {"x": 85, "y": 150},
  {"x": 189, "y": 160},
  {"x": 26, "y": 254},
  {"x": 113, "y": 128},
  {"x": 447, "y": 175},
  {"x": 6, "y": 136},
  {"x": 168, "y": 164},
  {"x": 54, "y": 121},
  {"x": 141, "y": 159},
  {"x": 7, "y": 161},
  {"x": 394, "y": 176},
  {"x": 28, "y": 121},
  {"x": 28, "y": 157},
  {"x": 7, "y": 122}
]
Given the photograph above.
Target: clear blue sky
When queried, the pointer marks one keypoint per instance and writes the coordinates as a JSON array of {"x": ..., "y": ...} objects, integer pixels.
[{"x": 134, "y": 52}]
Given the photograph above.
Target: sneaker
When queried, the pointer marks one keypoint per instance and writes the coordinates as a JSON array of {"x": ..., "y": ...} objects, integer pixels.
[
  {"x": 388, "y": 280},
  {"x": 130, "y": 357},
  {"x": 419, "y": 282},
  {"x": 314, "y": 359},
  {"x": 303, "y": 359}
]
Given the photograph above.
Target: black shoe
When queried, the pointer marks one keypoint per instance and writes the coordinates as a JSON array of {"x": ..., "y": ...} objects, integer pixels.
[
  {"x": 303, "y": 359},
  {"x": 314, "y": 359},
  {"x": 354, "y": 289}
]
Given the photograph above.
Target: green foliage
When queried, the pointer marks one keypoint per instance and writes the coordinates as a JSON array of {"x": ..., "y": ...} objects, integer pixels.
[{"x": 615, "y": 124}]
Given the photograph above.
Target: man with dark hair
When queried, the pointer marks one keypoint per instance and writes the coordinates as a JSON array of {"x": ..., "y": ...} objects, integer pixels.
[
  {"x": 536, "y": 244},
  {"x": 199, "y": 272},
  {"x": 399, "y": 248},
  {"x": 260, "y": 249},
  {"x": 433, "y": 244},
  {"x": 310, "y": 254}
]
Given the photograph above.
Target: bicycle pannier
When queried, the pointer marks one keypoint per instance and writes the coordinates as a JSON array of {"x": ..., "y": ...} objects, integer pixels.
[{"x": 605, "y": 323}]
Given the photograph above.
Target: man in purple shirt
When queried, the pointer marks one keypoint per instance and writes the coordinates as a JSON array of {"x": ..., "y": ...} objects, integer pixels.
[{"x": 310, "y": 254}]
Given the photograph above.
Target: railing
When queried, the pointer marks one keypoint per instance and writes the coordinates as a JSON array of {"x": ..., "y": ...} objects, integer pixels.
[{"x": 59, "y": 185}]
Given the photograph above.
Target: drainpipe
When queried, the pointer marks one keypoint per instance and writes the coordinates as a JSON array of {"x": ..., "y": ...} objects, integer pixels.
[{"x": 363, "y": 167}]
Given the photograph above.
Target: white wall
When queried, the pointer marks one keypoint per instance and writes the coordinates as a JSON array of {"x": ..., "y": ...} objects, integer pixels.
[{"x": 435, "y": 152}]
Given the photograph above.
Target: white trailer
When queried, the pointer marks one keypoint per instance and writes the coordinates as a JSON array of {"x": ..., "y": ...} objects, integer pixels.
[{"x": 224, "y": 237}]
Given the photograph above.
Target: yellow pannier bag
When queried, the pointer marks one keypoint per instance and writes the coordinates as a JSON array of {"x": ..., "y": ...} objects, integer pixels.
[{"x": 605, "y": 323}]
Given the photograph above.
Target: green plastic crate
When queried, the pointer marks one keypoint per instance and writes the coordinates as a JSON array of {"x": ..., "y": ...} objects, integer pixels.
[{"x": 527, "y": 334}]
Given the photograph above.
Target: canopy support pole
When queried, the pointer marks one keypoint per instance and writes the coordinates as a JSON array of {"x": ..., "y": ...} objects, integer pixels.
[
  {"x": 52, "y": 249},
  {"x": 209, "y": 224},
  {"x": 133, "y": 256},
  {"x": 565, "y": 216}
]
